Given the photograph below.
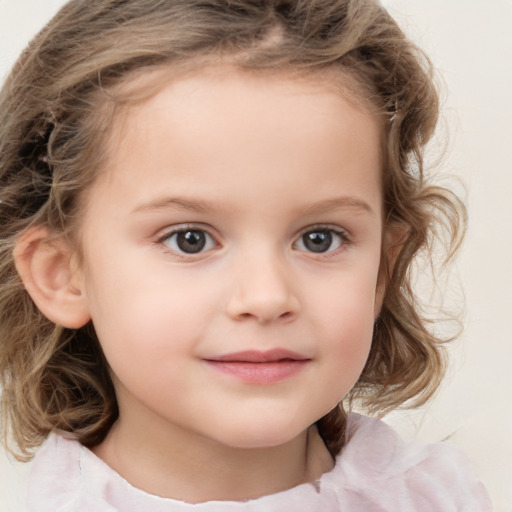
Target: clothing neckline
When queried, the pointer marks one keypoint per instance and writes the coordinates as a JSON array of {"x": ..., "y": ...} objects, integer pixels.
[{"x": 317, "y": 452}]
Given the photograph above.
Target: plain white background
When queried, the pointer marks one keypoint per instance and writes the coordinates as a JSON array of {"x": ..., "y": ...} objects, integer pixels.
[{"x": 470, "y": 42}]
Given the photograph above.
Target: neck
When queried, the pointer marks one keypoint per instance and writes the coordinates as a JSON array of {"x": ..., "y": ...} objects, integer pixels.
[{"x": 170, "y": 464}]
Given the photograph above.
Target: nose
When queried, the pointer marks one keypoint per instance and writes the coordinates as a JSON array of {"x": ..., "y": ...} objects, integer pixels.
[{"x": 263, "y": 291}]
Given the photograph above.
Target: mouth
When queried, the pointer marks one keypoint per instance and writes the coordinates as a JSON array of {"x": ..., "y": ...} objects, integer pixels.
[{"x": 259, "y": 367}]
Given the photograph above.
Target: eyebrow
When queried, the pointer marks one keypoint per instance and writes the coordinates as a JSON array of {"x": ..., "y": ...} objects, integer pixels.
[
  {"x": 201, "y": 206},
  {"x": 340, "y": 203},
  {"x": 181, "y": 203}
]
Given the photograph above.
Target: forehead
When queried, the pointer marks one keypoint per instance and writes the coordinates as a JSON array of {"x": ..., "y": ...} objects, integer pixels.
[
  {"x": 145, "y": 89},
  {"x": 222, "y": 123},
  {"x": 143, "y": 85}
]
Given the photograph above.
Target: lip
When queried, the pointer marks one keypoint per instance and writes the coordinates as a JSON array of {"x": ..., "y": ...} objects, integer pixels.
[{"x": 259, "y": 367}]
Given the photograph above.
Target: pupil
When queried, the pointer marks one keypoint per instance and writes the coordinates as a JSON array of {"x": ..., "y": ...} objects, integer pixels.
[
  {"x": 191, "y": 241},
  {"x": 318, "y": 241}
]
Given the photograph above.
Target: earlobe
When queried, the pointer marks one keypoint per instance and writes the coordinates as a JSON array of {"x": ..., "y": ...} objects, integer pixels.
[{"x": 46, "y": 267}]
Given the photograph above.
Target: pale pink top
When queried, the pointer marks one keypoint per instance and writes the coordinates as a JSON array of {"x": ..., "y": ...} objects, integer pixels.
[{"x": 376, "y": 472}]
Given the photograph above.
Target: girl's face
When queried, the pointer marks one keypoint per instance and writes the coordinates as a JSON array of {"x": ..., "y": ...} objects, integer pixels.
[{"x": 231, "y": 255}]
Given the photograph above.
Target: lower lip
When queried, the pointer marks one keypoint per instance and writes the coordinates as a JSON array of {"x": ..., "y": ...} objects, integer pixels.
[{"x": 260, "y": 373}]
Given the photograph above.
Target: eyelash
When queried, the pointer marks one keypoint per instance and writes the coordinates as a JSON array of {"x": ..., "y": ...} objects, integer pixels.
[
  {"x": 340, "y": 234},
  {"x": 189, "y": 228}
]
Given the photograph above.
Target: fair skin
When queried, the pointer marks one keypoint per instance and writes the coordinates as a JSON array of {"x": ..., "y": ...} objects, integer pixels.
[{"x": 239, "y": 212}]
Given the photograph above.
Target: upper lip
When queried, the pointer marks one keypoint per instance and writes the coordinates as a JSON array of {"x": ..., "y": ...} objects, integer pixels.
[{"x": 260, "y": 356}]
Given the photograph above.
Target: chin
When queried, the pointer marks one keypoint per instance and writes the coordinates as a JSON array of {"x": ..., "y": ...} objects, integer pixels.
[{"x": 259, "y": 435}]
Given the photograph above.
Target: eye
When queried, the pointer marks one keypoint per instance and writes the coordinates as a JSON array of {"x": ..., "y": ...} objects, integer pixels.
[
  {"x": 321, "y": 240},
  {"x": 189, "y": 241}
]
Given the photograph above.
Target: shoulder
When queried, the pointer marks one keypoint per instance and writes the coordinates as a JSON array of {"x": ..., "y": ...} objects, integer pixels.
[
  {"x": 378, "y": 468},
  {"x": 56, "y": 478},
  {"x": 53, "y": 471}
]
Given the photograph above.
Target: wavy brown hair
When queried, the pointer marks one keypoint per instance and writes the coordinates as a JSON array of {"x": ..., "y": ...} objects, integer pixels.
[{"x": 56, "y": 109}]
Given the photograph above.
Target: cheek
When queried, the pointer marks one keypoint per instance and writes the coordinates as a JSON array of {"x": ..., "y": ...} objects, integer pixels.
[
  {"x": 145, "y": 319},
  {"x": 145, "y": 343},
  {"x": 345, "y": 321},
  {"x": 350, "y": 333},
  {"x": 345, "y": 302}
]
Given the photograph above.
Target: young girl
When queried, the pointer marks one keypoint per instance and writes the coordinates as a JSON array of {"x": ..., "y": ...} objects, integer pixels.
[{"x": 209, "y": 211}]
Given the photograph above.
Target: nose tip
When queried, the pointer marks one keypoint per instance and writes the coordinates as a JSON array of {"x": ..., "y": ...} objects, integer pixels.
[{"x": 264, "y": 296}]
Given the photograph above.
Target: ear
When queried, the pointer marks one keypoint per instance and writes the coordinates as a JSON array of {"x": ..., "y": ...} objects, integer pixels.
[
  {"x": 393, "y": 241},
  {"x": 48, "y": 269}
]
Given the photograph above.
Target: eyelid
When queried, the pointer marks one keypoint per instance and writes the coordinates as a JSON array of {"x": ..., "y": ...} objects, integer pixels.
[
  {"x": 164, "y": 233},
  {"x": 342, "y": 233},
  {"x": 169, "y": 231}
]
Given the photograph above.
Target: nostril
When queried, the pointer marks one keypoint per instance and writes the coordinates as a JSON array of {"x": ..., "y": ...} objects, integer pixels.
[
  {"x": 284, "y": 317},
  {"x": 264, "y": 304}
]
